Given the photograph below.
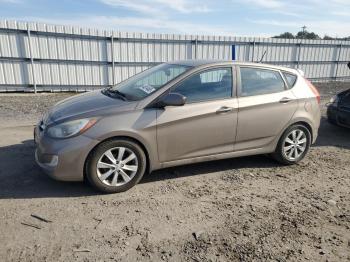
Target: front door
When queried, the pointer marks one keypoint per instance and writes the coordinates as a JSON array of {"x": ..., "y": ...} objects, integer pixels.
[{"x": 206, "y": 124}]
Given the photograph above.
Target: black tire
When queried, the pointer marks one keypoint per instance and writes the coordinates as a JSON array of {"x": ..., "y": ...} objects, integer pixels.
[
  {"x": 279, "y": 154},
  {"x": 95, "y": 155}
]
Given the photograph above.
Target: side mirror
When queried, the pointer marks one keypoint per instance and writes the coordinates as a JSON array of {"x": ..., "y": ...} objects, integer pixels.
[{"x": 172, "y": 99}]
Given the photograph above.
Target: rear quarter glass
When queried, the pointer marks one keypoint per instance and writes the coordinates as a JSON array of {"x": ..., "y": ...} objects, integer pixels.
[{"x": 290, "y": 78}]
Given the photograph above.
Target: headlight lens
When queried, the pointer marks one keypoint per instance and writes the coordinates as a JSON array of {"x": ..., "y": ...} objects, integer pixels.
[
  {"x": 71, "y": 128},
  {"x": 334, "y": 100}
]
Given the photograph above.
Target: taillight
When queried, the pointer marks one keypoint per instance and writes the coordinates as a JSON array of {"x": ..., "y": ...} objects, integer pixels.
[{"x": 314, "y": 90}]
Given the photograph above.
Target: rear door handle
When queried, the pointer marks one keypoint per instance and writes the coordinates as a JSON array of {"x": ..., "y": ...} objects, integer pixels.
[
  {"x": 285, "y": 100},
  {"x": 224, "y": 109}
]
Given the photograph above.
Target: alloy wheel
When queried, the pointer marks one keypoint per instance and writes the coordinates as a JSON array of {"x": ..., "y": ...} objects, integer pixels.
[
  {"x": 294, "y": 144},
  {"x": 117, "y": 166}
]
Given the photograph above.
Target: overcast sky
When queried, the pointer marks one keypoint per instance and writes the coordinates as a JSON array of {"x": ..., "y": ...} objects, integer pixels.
[{"x": 214, "y": 17}]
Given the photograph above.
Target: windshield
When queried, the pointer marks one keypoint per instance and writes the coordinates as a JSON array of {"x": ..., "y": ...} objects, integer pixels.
[{"x": 147, "y": 82}]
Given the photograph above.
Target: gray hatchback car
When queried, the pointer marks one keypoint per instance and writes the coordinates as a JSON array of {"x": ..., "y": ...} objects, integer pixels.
[{"x": 178, "y": 113}]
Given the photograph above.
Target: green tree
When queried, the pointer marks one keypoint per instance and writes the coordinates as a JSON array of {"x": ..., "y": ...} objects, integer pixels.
[
  {"x": 307, "y": 35},
  {"x": 286, "y": 35},
  {"x": 327, "y": 37}
]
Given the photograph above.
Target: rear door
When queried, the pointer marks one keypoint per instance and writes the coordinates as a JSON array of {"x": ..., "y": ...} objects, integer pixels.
[
  {"x": 266, "y": 105},
  {"x": 206, "y": 124}
]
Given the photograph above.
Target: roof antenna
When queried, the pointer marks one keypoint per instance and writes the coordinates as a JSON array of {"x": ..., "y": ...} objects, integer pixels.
[{"x": 262, "y": 57}]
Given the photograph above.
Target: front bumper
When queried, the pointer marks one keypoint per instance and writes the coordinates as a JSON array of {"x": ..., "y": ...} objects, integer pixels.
[
  {"x": 62, "y": 159},
  {"x": 338, "y": 116}
]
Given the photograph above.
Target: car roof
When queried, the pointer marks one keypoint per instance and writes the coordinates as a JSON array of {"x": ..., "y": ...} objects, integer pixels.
[{"x": 206, "y": 62}]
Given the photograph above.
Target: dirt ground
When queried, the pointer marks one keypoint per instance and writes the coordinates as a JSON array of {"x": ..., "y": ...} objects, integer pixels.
[{"x": 243, "y": 209}]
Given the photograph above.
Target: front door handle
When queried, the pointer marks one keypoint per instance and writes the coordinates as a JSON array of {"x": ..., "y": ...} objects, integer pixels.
[
  {"x": 224, "y": 109},
  {"x": 285, "y": 100}
]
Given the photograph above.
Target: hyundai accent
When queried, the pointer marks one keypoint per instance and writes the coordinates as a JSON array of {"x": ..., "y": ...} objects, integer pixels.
[{"x": 178, "y": 113}]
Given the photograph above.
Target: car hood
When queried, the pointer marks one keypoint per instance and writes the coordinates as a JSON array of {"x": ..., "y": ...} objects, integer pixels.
[{"x": 86, "y": 105}]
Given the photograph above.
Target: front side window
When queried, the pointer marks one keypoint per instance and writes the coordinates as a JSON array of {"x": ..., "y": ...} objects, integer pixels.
[
  {"x": 256, "y": 81},
  {"x": 211, "y": 84},
  {"x": 147, "y": 82}
]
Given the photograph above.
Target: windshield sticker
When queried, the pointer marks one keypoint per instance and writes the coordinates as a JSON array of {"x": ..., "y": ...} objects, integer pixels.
[{"x": 147, "y": 89}]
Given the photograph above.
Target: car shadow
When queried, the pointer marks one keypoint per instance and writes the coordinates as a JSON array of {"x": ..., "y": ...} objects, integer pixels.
[
  {"x": 21, "y": 178},
  {"x": 332, "y": 135},
  {"x": 259, "y": 161}
]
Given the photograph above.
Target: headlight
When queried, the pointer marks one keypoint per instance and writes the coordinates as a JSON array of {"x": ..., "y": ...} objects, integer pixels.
[
  {"x": 71, "y": 128},
  {"x": 334, "y": 100}
]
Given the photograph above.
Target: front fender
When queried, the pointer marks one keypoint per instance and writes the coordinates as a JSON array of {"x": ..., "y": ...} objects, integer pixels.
[{"x": 139, "y": 125}]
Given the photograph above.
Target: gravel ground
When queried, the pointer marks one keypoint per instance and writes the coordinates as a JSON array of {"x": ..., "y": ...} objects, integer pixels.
[{"x": 243, "y": 209}]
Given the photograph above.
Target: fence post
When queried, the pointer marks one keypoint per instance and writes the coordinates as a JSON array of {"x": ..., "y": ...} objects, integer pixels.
[
  {"x": 253, "y": 53},
  {"x": 298, "y": 57},
  {"x": 337, "y": 62},
  {"x": 233, "y": 51},
  {"x": 112, "y": 57},
  {"x": 31, "y": 58},
  {"x": 196, "y": 48}
]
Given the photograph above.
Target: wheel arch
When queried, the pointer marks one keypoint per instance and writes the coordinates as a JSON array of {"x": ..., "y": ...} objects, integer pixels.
[
  {"x": 277, "y": 154},
  {"x": 305, "y": 124},
  {"x": 121, "y": 137}
]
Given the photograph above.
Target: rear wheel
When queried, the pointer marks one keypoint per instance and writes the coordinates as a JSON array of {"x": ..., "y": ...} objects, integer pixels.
[
  {"x": 293, "y": 145},
  {"x": 115, "y": 166}
]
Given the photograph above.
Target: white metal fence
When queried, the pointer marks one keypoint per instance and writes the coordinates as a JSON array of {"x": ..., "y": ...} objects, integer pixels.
[{"x": 41, "y": 57}]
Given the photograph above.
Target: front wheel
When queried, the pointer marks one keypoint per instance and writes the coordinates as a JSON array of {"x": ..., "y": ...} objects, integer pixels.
[
  {"x": 293, "y": 145},
  {"x": 115, "y": 166}
]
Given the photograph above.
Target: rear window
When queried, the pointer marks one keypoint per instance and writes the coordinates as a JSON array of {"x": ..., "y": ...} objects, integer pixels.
[
  {"x": 257, "y": 81},
  {"x": 290, "y": 78}
]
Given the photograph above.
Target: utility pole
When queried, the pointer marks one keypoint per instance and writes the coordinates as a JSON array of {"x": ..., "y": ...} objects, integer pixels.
[{"x": 304, "y": 30}]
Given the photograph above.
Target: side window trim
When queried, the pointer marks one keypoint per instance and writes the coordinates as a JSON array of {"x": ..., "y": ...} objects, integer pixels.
[
  {"x": 233, "y": 69},
  {"x": 236, "y": 81},
  {"x": 239, "y": 78},
  {"x": 286, "y": 87}
]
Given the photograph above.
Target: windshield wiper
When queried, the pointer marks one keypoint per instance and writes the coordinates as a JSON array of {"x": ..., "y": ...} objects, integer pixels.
[{"x": 117, "y": 92}]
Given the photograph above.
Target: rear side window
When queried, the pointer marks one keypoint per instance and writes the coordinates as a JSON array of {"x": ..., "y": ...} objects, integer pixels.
[
  {"x": 257, "y": 81},
  {"x": 290, "y": 78}
]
